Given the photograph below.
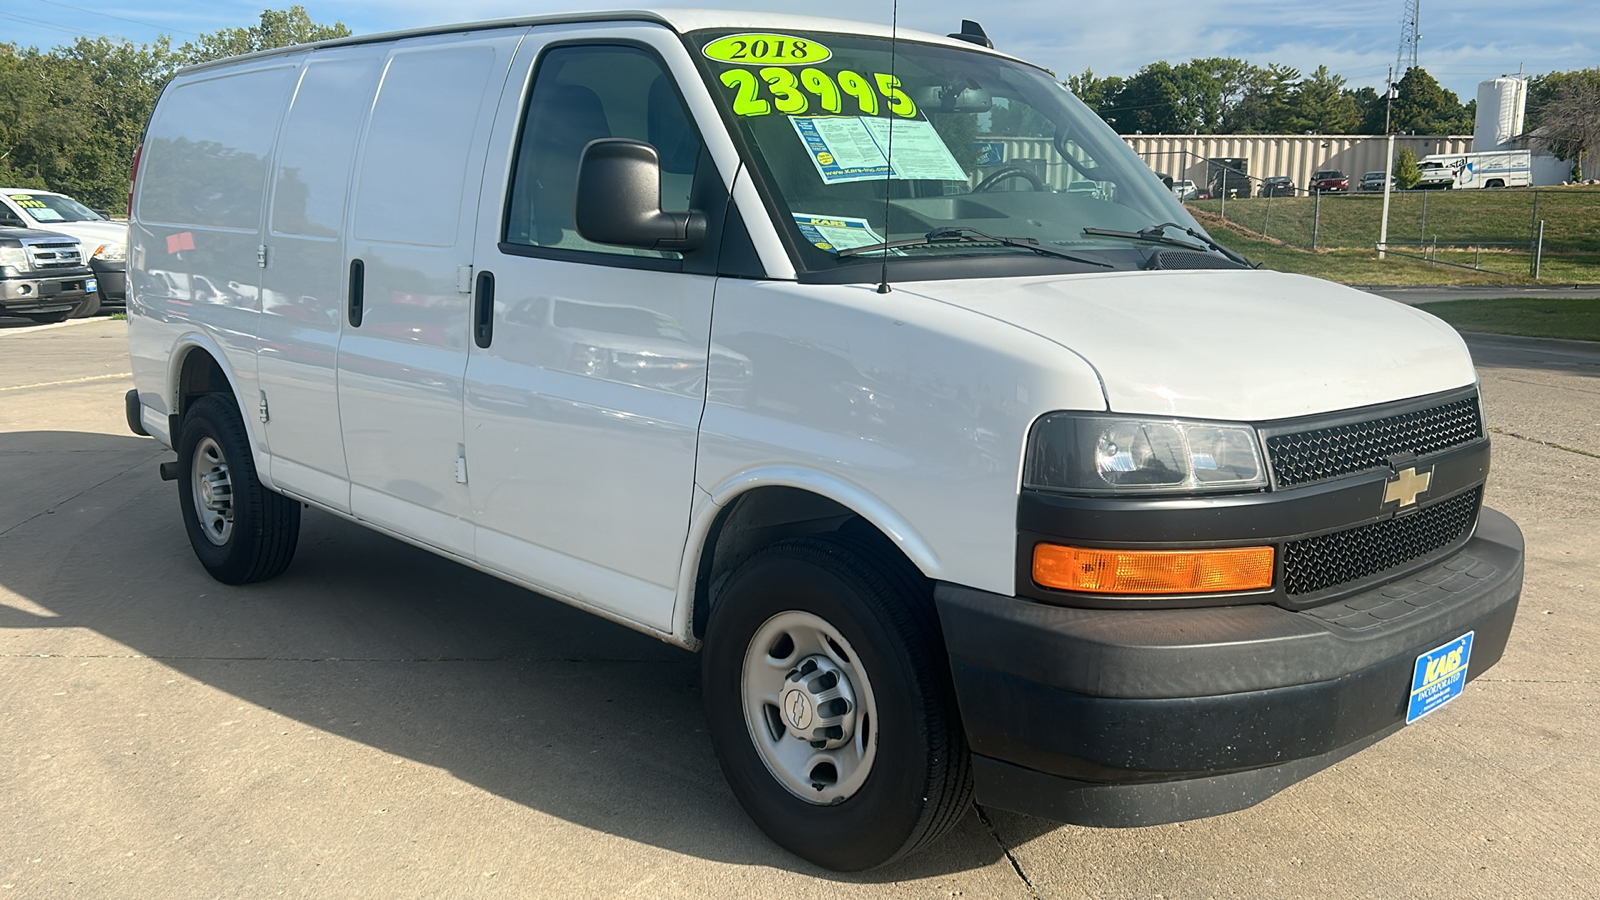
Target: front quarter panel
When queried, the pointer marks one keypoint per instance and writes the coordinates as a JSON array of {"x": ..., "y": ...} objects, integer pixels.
[{"x": 912, "y": 412}]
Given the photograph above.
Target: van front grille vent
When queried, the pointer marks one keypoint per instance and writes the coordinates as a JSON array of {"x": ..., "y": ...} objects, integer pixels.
[
  {"x": 1317, "y": 563},
  {"x": 1322, "y": 453}
]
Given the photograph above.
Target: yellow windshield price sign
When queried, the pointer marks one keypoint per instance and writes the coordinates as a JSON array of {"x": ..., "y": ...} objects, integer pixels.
[{"x": 766, "y": 50}]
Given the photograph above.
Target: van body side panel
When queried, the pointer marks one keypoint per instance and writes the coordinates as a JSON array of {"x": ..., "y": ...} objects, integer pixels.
[
  {"x": 302, "y": 291},
  {"x": 923, "y": 406},
  {"x": 400, "y": 372},
  {"x": 196, "y": 227},
  {"x": 582, "y": 413}
]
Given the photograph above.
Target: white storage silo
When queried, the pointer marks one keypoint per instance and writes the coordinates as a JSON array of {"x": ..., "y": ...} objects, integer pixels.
[{"x": 1502, "y": 102}]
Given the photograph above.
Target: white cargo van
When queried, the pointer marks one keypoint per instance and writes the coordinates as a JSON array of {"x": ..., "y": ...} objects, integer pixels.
[
  {"x": 1463, "y": 171},
  {"x": 790, "y": 343}
]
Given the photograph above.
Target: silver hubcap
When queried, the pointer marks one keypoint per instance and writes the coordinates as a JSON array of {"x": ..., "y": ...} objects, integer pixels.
[
  {"x": 212, "y": 488},
  {"x": 809, "y": 708}
]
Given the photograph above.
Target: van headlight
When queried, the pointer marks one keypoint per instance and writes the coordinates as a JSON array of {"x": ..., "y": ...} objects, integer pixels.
[{"x": 1099, "y": 454}]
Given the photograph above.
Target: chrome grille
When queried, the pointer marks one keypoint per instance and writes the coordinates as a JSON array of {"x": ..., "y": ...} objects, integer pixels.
[
  {"x": 1322, "y": 453},
  {"x": 55, "y": 256},
  {"x": 1317, "y": 563}
]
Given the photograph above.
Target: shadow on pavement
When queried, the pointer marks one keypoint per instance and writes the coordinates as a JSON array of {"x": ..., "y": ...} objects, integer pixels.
[{"x": 379, "y": 642}]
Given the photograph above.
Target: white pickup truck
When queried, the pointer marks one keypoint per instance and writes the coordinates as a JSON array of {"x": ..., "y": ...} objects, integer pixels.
[{"x": 720, "y": 326}]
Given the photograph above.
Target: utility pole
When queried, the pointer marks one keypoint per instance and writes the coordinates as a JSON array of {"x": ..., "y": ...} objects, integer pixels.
[
  {"x": 1388, "y": 110},
  {"x": 1388, "y": 178}
]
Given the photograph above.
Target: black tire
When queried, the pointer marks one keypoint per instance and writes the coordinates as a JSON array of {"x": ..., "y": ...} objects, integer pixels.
[
  {"x": 49, "y": 318},
  {"x": 920, "y": 783},
  {"x": 265, "y": 526},
  {"x": 87, "y": 307}
]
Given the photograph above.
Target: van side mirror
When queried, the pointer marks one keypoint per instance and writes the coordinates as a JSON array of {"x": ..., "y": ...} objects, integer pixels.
[{"x": 619, "y": 199}]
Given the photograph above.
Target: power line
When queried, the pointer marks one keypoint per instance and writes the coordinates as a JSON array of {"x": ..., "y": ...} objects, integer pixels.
[
  {"x": 96, "y": 12},
  {"x": 41, "y": 23}
]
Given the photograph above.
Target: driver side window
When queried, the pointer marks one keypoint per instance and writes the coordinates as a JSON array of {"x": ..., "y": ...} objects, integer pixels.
[{"x": 583, "y": 93}]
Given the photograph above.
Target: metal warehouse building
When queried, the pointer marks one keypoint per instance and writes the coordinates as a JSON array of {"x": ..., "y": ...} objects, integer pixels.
[{"x": 1295, "y": 155}]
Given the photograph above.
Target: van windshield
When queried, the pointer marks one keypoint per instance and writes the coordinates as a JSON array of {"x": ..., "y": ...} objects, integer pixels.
[
  {"x": 962, "y": 143},
  {"x": 54, "y": 208}
]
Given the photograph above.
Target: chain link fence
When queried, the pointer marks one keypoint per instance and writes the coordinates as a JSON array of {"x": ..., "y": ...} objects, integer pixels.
[
  {"x": 1545, "y": 233},
  {"x": 1550, "y": 234}
]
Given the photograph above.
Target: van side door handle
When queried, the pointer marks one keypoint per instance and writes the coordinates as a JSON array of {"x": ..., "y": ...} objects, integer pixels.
[
  {"x": 358, "y": 278},
  {"x": 483, "y": 310}
]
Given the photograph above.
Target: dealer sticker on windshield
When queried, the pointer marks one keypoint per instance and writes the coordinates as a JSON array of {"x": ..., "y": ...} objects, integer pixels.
[
  {"x": 835, "y": 233},
  {"x": 1439, "y": 677}
]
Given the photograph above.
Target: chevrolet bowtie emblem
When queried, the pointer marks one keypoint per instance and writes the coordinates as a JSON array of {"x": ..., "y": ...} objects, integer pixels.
[{"x": 1406, "y": 485}]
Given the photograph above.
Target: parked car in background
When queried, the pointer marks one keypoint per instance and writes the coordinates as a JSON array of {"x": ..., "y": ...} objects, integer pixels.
[
  {"x": 105, "y": 243},
  {"x": 1373, "y": 181},
  {"x": 1185, "y": 190},
  {"x": 1329, "y": 181},
  {"x": 1278, "y": 186},
  {"x": 42, "y": 275}
]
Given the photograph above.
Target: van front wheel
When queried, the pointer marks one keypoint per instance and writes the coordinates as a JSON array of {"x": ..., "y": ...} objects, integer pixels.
[
  {"x": 240, "y": 530},
  {"x": 828, "y": 696}
]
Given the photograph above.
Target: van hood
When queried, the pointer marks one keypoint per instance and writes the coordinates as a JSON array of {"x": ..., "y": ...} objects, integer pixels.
[
  {"x": 92, "y": 234},
  {"x": 1236, "y": 345}
]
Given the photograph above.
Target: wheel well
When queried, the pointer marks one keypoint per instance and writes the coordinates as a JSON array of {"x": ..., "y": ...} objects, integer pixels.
[
  {"x": 763, "y": 516},
  {"x": 200, "y": 375}
]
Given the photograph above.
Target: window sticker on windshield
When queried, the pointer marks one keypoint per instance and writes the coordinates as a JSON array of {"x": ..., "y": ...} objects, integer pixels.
[
  {"x": 794, "y": 94},
  {"x": 28, "y": 201},
  {"x": 855, "y": 148},
  {"x": 766, "y": 50},
  {"x": 835, "y": 233},
  {"x": 44, "y": 213}
]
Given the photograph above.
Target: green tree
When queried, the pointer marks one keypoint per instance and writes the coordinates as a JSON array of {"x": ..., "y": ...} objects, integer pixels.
[
  {"x": 1232, "y": 77},
  {"x": 1568, "y": 119},
  {"x": 1319, "y": 104},
  {"x": 277, "y": 28},
  {"x": 1406, "y": 173},
  {"x": 1265, "y": 106},
  {"x": 71, "y": 118},
  {"x": 1167, "y": 99},
  {"x": 1371, "y": 110},
  {"x": 1423, "y": 106},
  {"x": 1099, "y": 94}
]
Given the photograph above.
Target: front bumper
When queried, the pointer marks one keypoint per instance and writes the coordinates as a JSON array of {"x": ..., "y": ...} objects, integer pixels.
[
  {"x": 113, "y": 278},
  {"x": 43, "y": 293},
  {"x": 1118, "y": 717}
]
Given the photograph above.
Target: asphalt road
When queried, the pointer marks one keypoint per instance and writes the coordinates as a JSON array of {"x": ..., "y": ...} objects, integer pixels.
[
  {"x": 381, "y": 723},
  {"x": 1429, "y": 293}
]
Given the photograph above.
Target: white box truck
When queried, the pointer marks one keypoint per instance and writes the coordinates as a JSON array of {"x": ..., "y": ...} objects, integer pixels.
[
  {"x": 955, "y": 481},
  {"x": 1460, "y": 171}
]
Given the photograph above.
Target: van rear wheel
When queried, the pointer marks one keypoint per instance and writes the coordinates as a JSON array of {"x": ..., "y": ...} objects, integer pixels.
[
  {"x": 240, "y": 530},
  {"x": 828, "y": 696}
]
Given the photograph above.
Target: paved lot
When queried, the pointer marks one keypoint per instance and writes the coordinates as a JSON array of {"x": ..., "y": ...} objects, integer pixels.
[
  {"x": 1426, "y": 293},
  {"x": 379, "y": 722}
]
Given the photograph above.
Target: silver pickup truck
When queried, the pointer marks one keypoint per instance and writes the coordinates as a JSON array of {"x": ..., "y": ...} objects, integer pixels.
[{"x": 42, "y": 275}]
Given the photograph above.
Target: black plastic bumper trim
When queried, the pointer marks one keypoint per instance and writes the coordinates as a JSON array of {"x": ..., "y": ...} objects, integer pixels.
[
  {"x": 1006, "y": 786},
  {"x": 1204, "y": 710},
  {"x": 135, "y": 412}
]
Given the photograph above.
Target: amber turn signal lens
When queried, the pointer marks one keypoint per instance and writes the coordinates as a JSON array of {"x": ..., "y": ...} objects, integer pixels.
[{"x": 1152, "y": 571}]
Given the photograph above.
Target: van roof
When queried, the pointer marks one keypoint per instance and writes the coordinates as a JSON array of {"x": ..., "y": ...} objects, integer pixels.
[{"x": 680, "y": 20}]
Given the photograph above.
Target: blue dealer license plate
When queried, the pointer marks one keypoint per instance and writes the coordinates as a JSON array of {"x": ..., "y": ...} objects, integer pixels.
[
  {"x": 1439, "y": 677},
  {"x": 91, "y": 285}
]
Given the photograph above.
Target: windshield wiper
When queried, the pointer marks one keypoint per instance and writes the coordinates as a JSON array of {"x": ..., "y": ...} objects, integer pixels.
[
  {"x": 1155, "y": 234},
  {"x": 960, "y": 234}
]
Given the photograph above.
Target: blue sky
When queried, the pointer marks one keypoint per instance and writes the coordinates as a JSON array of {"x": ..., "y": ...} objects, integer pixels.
[{"x": 1463, "y": 41}]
